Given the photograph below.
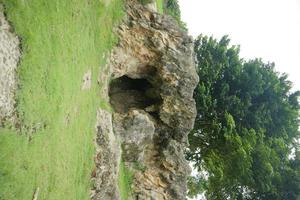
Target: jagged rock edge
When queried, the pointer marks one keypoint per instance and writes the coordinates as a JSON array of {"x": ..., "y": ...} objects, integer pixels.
[{"x": 166, "y": 136}]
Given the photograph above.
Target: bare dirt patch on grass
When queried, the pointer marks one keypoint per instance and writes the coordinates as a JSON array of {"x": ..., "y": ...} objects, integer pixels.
[{"x": 9, "y": 58}]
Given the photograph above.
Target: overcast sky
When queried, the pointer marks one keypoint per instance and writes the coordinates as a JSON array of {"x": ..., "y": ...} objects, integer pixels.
[{"x": 269, "y": 29}]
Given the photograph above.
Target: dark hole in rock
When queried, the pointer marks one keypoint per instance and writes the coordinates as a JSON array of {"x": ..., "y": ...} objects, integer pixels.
[{"x": 126, "y": 93}]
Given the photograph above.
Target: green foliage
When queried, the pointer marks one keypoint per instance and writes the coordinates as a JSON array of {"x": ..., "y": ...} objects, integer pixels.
[
  {"x": 246, "y": 126},
  {"x": 125, "y": 181},
  {"x": 196, "y": 185},
  {"x": 139, "y": 166},
  {"x": 144, "y": 2},
  {"x": 160, "y": 6},
  {"x": 61, "y": 41},
  {"x": 172, "y": 8}
]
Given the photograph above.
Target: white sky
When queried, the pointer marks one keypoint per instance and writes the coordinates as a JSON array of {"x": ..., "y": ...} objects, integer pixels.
[{"x": 269, "y": 29}]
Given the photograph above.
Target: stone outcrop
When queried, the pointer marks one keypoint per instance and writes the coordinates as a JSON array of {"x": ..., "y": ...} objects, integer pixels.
[
  {"x": 151, "y": 92},
  {"x": 9, "y": 58},
  {"x": 105, "y": 175}
]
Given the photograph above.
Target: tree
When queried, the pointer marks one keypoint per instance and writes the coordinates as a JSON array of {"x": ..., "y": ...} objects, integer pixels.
[{"x": 246, "y": 126}]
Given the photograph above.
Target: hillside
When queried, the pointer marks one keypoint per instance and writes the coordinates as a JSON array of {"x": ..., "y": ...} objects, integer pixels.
[
  {"x": 110, "y": 100},
  {"x": 56, "y": 139},
  {"x": 49, "y": 144}
]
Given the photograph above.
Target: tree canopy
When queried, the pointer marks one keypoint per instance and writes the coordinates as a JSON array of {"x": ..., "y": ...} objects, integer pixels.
[{"x": 246, "y": 128}]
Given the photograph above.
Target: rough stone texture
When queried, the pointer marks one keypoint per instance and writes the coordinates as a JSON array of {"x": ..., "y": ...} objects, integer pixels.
[
  {"x": 153, "y": 47},
  {"x": 152, "y": 6},
  {"x": 108, "y": 149},
  {"x": 153, "y": 133},
  {"x": 9, "y": 58},
  {"x": 107, "y": 159},
  {"x": 137, "y": 128}
]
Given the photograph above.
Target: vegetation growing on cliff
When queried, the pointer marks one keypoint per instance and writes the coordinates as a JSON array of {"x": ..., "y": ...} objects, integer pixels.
[
  {"x": 171, "y": 7},
  {"x": 246, "y": 127},
  {"x": 125, "y": 181},
  {"x": 53, "y": 147},
  {"x": 160, "y": 6}
]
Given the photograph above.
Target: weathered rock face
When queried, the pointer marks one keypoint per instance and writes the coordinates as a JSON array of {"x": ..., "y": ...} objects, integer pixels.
[
  {"x": 152, "y": 47},
  {"x": 107, "y": 159},
  {"x": 9, "y": 58},
  {"x": 154, "y": 76},
  {"x": 153, "y": 72}
]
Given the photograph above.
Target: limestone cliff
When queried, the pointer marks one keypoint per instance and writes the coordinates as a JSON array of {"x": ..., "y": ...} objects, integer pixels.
[{"x": 151, "y": 92}]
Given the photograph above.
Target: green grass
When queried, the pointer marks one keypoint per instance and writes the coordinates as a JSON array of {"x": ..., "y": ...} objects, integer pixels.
[
  {"x": 144, "y": 2},
  {"x": 125, "y": 181},
  {"x": 61, "y": 40},
  {"x": 160, "y": 6}
]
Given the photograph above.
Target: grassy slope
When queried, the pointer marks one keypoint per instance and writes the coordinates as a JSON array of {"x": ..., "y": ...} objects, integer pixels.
[
  {"x": 61, "y": 40},
  {"x": 125, "y": 181},
  {"x": 160, "y": 5}
]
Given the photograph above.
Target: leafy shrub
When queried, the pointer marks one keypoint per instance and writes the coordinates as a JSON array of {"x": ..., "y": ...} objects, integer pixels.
[{"x": 172, "y": 8}]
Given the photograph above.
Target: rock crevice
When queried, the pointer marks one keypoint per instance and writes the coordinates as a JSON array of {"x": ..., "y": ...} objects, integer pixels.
[{"x": 153, "y": 79}]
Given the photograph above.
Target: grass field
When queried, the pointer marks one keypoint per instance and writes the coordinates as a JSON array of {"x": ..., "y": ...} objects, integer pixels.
[
  {"x": 125, "y": 181},
  {"x": 61, "y": 41},
  {"x": 160, "y": 6}
]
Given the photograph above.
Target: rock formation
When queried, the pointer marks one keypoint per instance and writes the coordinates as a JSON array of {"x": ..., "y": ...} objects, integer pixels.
[
  {"x": 9, "y": 58},
  {"x": 151, "y": 92}
]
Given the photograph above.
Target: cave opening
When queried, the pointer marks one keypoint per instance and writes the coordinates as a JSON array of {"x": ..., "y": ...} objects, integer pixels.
[{"x": 126, "y": 93}]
